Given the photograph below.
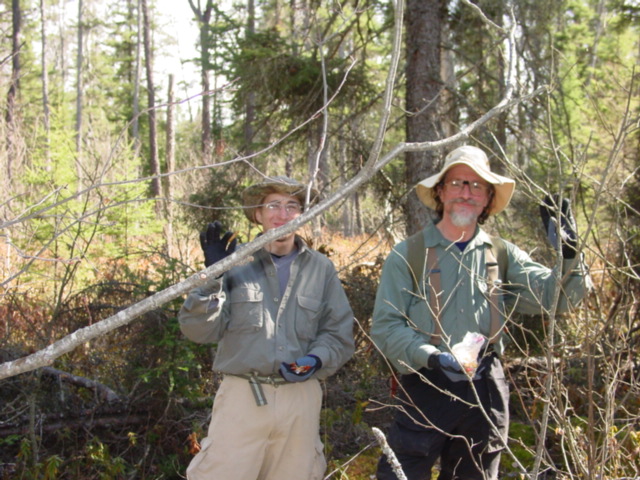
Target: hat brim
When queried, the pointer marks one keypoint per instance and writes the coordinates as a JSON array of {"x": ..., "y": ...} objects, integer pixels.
[
  {"x": 253, "y": 196},
  {"x": 503, "y": 186}
]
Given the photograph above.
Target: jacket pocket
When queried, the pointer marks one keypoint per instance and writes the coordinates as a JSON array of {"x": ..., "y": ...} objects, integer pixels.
[
  {"x": 420, "y": 317},
  {"x": 246, "y": 310},
  {"x": 307, "y": 317}
]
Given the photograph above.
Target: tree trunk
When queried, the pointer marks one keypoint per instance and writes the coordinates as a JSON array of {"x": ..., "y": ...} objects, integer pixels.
[
  {"x": 204, "y": 17},
  {"x": 154, "y": 164},
  {"x": 45, "y": 86},
  {"x": 79, "y": 90},
  {"x": 135, "y": 127},
  {"x": 14, "y": 87},
  {"x": 423, "y": 21},
  {"x": 250, "y": 108},
  {"x": 170, "y": 161}
]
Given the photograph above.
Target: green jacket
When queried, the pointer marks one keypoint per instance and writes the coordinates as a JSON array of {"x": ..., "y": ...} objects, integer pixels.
[
  {"x": 256, "y": 330},
  {"x": 402, "y": 320}
]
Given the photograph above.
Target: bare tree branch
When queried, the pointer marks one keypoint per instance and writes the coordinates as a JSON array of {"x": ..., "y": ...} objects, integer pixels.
[
  {"x": 373, "y": 164},
  {"x": 391, "y": 456}
]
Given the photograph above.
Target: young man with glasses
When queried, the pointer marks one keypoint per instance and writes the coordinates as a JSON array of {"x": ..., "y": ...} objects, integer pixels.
[
  {"x": 451, "y": 410},
  {"x": 281, "y": 323}
]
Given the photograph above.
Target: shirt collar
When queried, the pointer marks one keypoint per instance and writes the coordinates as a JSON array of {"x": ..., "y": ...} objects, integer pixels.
[
  {"x": 301, "y": 244},
  {"x": 433, "y": 238}
]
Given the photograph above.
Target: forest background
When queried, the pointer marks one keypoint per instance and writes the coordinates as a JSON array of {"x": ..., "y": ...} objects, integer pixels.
[{"x": 108, "y": 173}]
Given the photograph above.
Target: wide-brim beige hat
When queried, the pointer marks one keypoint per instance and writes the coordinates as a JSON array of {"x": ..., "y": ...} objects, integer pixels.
[
  {"x": 253, "y": 196},
  {"x": 476, "y": 159}
]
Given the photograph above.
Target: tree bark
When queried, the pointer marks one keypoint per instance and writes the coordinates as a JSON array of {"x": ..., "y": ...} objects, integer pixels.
[
  {"x": 103, "y": 392},
  {"x": 79, "y": 91},
  {"x": 14, "y": 86},
  {"x": 154, "y": 164},
  {"x": 45, "y": 86},
  {"x": 250, "y": 108},
  {"x": 170, "y": 161},
  {"x": 204, "y": 17},
  {"x": 424, "y": 20},
  {"x": 135, "y": 127}
]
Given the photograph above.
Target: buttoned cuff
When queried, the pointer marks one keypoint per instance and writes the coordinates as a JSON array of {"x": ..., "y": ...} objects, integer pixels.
[{"x": 423, "y": 353}]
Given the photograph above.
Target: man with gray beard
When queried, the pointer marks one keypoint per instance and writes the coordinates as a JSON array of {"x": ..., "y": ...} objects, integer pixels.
[{"x": 447, "y": 292}]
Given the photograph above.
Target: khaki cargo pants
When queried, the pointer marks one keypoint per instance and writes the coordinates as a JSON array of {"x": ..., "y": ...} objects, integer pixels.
[{"x": 277, "y": 441}]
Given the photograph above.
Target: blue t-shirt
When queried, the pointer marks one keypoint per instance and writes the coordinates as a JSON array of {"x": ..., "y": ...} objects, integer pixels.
[{"x": 283, "y": 268}]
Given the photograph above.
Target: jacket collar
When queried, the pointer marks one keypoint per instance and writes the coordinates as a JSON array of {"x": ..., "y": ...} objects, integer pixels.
[{"x": 433, "y": 238}]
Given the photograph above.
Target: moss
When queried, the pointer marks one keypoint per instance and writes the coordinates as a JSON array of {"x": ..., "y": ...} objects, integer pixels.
[{"x": 521, "y": 438}]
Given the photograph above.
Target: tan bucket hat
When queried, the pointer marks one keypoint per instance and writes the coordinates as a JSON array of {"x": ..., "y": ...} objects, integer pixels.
[
  {"x": 476, "y": 159},
  {"x": 253, "y": 196}
]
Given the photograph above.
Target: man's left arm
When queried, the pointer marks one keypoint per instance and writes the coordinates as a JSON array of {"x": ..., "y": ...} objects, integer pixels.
[
  {"x": 561, "y": 230},
  {"x": 532, "y": 287},
  {"x": 535, "y": 285}
]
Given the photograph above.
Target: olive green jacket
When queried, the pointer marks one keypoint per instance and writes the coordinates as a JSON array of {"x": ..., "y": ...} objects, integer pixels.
[
  {"x": 256, "y": 330},
  {"x": 402, "y": 319}
]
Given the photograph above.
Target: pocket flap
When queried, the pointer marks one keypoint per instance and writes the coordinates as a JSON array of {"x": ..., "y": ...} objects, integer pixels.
[
  {"x": 309, "y": 303},
  {"x": 242, "y": 295}
]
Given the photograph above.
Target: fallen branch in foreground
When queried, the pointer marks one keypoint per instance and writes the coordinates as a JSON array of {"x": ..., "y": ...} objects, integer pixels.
[{"x": 391, "y": 456}]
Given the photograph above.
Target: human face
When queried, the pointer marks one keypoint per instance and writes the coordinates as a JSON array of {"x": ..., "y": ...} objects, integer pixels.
[
  {"x": 464, "y": 196},
  {"x": 277, "y": 210}
]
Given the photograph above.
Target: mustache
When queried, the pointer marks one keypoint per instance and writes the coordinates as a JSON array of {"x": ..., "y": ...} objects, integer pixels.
[{"x": 469, "y": 201}]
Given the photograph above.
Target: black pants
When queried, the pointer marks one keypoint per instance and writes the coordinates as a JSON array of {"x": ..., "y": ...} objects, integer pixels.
[{"x": 443, "y": 419}]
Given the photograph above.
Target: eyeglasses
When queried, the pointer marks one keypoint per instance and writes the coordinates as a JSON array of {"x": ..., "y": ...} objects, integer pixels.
[
  {"x": 291, "y": 208},
  {"x": 476, "y": 188}
]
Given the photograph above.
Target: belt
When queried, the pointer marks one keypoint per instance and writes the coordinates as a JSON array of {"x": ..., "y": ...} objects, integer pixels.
[
  {"x": 256, "y": 382},
  {"x": 268, "y": 380}
]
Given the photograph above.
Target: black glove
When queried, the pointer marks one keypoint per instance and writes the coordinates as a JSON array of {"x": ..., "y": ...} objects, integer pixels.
[
  {"x": 214, "y": 247},
  {"x": 549, "y": 214},
  {"x": 301, "y": 369},
  {"x": 444, "y": 361}
]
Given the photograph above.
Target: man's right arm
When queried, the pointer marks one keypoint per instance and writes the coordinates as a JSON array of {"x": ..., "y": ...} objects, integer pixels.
[
  {"x": 200, "y": 317},
  {"x": 405, "y": 347},
  {"x": 201, "y": 314}
]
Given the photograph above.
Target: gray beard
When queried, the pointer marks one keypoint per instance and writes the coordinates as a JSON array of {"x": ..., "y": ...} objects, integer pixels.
[{"x": 463, "y": 220}]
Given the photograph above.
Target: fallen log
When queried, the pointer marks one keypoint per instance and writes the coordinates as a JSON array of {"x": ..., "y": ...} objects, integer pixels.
[
  {"x": 104, "y": 392},
  {"x": 85, "y": 422}
]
